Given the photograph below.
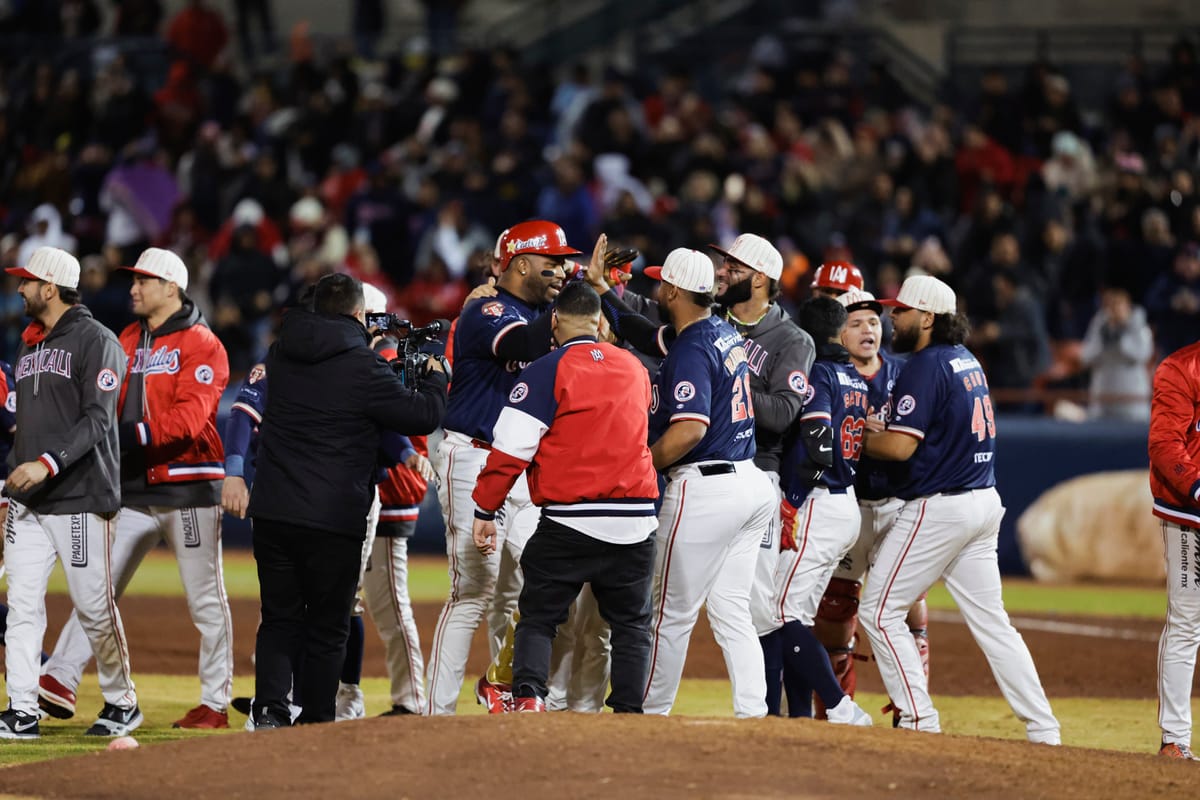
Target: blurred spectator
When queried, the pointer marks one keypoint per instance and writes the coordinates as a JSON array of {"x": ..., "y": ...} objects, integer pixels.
[
  {"x": 119, "y": 106},
  {"x": 1173, "y": 302},
  {"x": 45, "y": 230},
  {"x": 982, "y": 164},
  {"x": 435, "y": 294},
  {"x": 1118, "y": 349},
  {"x": 1136, "y": 264},
  {"x": 1070, "y": 171},
  {"x": 242, "y": 291},
  {"x": 451, "y": 243},
  {"x": 178, "y": 105},
  {"x": 198, "y": 33},
  {"x": 252, "y": 13},
  {"x": 138, "y": 195},
  {"x": 906, "y": 225},
  {"x": 1012, "y": 341},
  {"x": 107, "y": 299},
  {"x": 137, "y": 18},
  {"x": 569, "y": 203},
  {"x": 248, "y": 213},
  {"x": 1004, "y": 258}
]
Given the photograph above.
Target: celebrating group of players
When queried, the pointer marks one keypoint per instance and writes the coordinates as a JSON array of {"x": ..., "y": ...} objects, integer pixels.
[{"x": 791, "y": 477}]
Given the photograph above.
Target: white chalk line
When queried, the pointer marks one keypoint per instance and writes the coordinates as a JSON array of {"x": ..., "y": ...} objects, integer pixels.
[{"x": 1051, "y": 626}]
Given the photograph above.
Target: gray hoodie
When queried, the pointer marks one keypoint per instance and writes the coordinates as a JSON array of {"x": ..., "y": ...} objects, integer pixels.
[{"x": 67, "y": 383}]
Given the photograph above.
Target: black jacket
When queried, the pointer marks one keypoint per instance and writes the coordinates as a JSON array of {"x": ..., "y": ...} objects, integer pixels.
[{"x": 331, "y": 398}]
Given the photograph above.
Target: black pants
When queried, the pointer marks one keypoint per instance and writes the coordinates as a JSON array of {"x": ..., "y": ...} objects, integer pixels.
[
  {"x": 557, "y": 562},
  {"x": 307, "y": 579}
]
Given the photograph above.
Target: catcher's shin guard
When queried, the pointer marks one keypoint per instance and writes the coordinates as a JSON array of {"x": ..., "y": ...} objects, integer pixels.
[{"x": 836, "y": 626}]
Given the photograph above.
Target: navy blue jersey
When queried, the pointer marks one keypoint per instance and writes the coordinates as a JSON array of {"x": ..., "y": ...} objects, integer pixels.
[
  {"x": 481, "y": 380},
  {"x": 881, "y": 479},
  {"x": 245, "y": 417},
  {"x": 837, "y": 397},
  {"x": 705, "y": 378},
  {"x": 941, "y": 397},
  {"x": 8, "y": 414}
]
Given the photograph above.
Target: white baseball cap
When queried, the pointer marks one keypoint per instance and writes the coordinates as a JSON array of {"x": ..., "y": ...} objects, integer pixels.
[
  {"x": 755, "y": 252},
  {"x": 374, "y": 300},
  {"x": 51, "y": 265},
  {"x": 859, "y": 299},
  {"x": 159, "y": 263},
  {"x": 925, "y": 293},
  {"x": 687, "y": 269}
]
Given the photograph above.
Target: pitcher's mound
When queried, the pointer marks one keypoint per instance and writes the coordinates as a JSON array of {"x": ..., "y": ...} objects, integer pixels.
[{"x": 610, "y": 757}]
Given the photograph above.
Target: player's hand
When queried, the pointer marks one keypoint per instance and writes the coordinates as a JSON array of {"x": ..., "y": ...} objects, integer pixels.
[
  {"x": 484, "y": 534},
  {"x": 482, "y": 290},
  {"x": 876, "y": 424},
  {"x": 27, "y": 476},
  {"x": 596, "y": 268},
  {"x": 787, "y": 531},
  {"x": 235, "y": 497},
  {"x": 420, "y": 465}
]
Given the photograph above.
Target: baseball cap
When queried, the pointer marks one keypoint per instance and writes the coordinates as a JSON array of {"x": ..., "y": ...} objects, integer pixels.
[
  {"x": 374, "y": 300},
  {"x": 539, "y": 237},
  {"x": 687, "y": 269},
  {"x": 159, "y": 263},
  {"x": 841, "y": 275},
  {"x": 51, "y": 265},
  {"x": 925, "y": 293},
  {"x": 500, "y": 245},
  {"x": 859, "y": 299},
  {"x": 755, "y": 252}
]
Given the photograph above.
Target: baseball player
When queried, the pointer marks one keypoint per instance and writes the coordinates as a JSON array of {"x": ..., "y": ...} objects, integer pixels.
[
  {"x": 64, "y": 492},
  {"x": 779, "y": 355},
  {"x": 834, "y": 278},
  {"x": 942, "y": 424},
  {"x": 494, "y": 339},
  {"x": 820, "y": 513},
  {"x": 8, "y": 427},
  {"x": 1175, "y": 484},
  {"x": 718, "y": 505},
  {"x": 875, "y": 485},
  {"x": 577, "y": 421},
  {"x": 172, "y": 466}
]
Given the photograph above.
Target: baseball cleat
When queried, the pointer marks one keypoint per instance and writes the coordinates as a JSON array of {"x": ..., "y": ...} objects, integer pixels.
[
  {"x": 398, "y": 711},
  {"x": 55, "y": 699},
  {"x": 115, "y": 721},
  {"x": 848, "y": 712},
  {"x": 1176, "y": 750},
  {"x": 242, "y": 705},
  {"x": 349, "y": 703},
  {"x": 495, "y": 697},
  {"x": 18, "y": 725},
  {"x": 528, "y": 705},
  {"x": 202, "y": 718}
]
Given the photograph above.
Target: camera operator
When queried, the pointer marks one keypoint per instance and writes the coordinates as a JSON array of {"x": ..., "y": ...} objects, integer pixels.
[{"x": 313, "y": 490}]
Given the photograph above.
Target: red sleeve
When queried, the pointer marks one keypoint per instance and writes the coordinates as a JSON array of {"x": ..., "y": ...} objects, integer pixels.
[
  {"x": 495, "y": 482},
  {"x": 1170, "y": 421},
  {"x": 203, "y": 375}
]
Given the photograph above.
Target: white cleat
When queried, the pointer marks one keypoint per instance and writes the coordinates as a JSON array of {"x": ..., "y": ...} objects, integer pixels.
[
  {"x": 848, "y": 712},
  {"x": 350, "y": 703}
]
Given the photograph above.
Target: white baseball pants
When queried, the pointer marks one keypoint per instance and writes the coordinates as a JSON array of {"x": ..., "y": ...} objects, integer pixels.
[
  {"x": 472, "y": 577},
  {"x": 709, "y": 532},
  {"x": 878, "y": 517},
  {"x": 385, "y": 586},
  {"x": 579, "y": 659},
  {"x": 952, "y": 537},
  {"x": 826, "y": 528},
  {"x": 1181, "y": 633},
  {"x": 762, "y": 595},
  {"x": 194, "y": 535},
  {"x": 33, "y": 542}
]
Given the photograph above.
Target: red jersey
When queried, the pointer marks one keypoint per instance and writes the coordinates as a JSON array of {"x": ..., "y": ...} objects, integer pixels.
[{"x": 1175, "y": 437}]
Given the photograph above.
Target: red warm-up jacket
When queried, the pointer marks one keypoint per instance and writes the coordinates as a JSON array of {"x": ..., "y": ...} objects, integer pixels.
[{"x": 1175, "y": 437}]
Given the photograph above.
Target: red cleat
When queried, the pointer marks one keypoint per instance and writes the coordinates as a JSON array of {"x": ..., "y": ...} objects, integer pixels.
[
  {"x": 528, "y": 705},
  {"x": 55, "y": 699},
  {"x": 495, "y": 697},
  {"x": 1174, "y": 750},
  {"x": 202, "y": 718}
]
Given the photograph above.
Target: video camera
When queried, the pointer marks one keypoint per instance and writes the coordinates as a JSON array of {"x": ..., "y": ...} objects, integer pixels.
[{"x": 410, "y": 359}]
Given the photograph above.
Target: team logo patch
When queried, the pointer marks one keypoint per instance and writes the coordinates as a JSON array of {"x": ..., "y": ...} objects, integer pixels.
[
  {"x": 519, "y": 392},
  {"x": 10, "y": 403},
  {"x": 684, "y": 391},
  {"x": 798, "y": 381},
  {"x": 106, "y": 380},
  {"x": 906, "y": 406},
  {"x": 493, "y": 309},
  {"x": 257, "y": 374},
  {"x": 204, "y": 374}
]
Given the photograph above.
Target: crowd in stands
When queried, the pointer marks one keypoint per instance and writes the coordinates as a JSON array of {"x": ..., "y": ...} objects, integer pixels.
[{"x": 1075, "y": 245}]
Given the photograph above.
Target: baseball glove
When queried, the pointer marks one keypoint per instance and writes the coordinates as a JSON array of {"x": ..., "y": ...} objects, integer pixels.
[{"x": 617, "y": 261}]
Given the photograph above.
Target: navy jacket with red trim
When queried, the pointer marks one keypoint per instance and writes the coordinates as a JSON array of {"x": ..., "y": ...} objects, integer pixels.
[{"x": 1175, "y": 437}]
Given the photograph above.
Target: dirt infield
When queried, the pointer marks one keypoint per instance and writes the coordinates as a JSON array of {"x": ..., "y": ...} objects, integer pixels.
[
  {"x": 162, "y": 641},
  {"x": 563, "y": 755}
]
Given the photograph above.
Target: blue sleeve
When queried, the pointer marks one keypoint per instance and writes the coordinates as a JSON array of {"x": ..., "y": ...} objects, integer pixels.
[
  {"x": 395, "y": 448},
  {"x": 529, "y": 411},
  {"x": 8, "y": 393},
  {"x": 483, "y": 324},
  {"x": 687, "y": 385},
  {"x": 239, "y": 432},
  {"x": 818, "y": 403},
  {"x": 915, "y": 395}
]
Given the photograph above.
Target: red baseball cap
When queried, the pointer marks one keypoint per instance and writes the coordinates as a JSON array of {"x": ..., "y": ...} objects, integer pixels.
[
  {"x": 539, "y": 237},
  {"x": 840, "y": 275}
]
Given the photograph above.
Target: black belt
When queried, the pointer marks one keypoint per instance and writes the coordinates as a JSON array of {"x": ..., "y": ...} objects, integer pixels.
[
  {"x": 723, "y": 468},
  {"x": 952, "y": 492}
]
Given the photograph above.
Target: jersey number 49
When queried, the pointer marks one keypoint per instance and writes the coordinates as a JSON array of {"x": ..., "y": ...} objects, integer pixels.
[{"x": 983, "y": 420}]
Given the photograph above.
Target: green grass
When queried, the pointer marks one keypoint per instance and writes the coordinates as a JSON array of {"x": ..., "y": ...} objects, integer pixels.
[{"x": 429, "y": 582}]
